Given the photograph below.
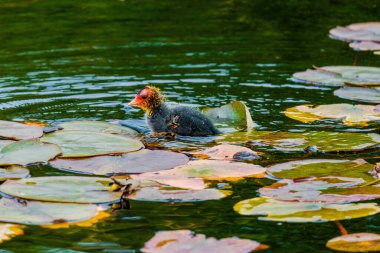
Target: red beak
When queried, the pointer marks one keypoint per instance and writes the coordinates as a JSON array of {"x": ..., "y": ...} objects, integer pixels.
[{"x": 133, "y": 102}]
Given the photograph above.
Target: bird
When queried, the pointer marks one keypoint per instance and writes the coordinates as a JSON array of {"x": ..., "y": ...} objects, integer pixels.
[{"x": 180, "y": 120}]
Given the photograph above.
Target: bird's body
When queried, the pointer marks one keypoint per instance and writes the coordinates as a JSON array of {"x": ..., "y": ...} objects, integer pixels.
[{"x": 181, "y": 120}]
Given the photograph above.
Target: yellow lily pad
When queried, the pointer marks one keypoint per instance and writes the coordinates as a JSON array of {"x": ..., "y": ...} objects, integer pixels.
[
  {"x": 8, "y": 231},
  {"x": 358, "y": 242}
]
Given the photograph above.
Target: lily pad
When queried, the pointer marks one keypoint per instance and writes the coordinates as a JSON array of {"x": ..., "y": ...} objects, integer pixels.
[
  {"x": 96, "y": 126},
  {"x": 350, "y": 114},
  {"x": 203, "y": 169},
  {"x": 136, "y": 162},
  {"x": 340, "y": 75},
  {"x": 13, "y": 172},
  {"x": 276, "y": 210},
  {"x": 320, "y": 140},
  {"x": 185, "y": 241},
  {"x": 358, "y": 242},
  {"x": 322, "y": 168},
  {"x": 365, "y": 45},
  {"x": 18, "y": 131},
  {"x": 40, "y": 213},
  {"x": 234, "y": 114},
  {"x": 27, "y": 152},
  {"x": 169, "y": 194},
  {"x": 83, "y": 144},
  {"x": 360, "y": 94},
  {"x": 369, "y": 31},
  {"x": 4, "y": 143},
  {"x": 8, "y": 231},
  {"x": 321, "y": 190},
  {"x": 227, "y": 152},
  {"x": 68, "y": 189}
]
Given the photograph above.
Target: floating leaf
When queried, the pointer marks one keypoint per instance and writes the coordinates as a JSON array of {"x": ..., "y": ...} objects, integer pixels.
[
  {"x": 8, "y": 231},
  {"x": 369, "y": 31},
  {"x": 69, "y": 189},
  {"x": 203, "y": 169},
  {"x": 13, "y": 172},
  {"x": 365, "y": 45},
  {"x": 350, "y": 114},
  {"x": 234, "y": 114},
  {"x": 227, "y": 152},
  {"x": 321, "y": 140},
  {"x": 322, "y": 168},
  {"x": 27, "y": 152},
  {"x": 167, "y": 194},
  {"x": 360, "y": 94},
  {"x": 340, "y": 75},
  {"x": 276, "y": 210},
  {"x": 41, "y": 213},
  {"x": 136, "y": 162},
  {"x": 87, "y": 223},
  {"x": 97, "y": 126},
  {"x": 326, "y": 190},
  {"x": 358, "y": 242},
  {"x": 4, "y": 143},
  {"x": 185, "y": 241},
  {"x": 18, "y": 131},
  {"x": 82, "y": 144}
]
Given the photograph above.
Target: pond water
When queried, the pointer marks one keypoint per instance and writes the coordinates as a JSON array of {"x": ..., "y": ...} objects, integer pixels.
[{"x": 71, "y": 60}]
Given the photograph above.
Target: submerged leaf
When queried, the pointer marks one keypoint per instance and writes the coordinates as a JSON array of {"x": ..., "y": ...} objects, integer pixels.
[
  {"x": 82, "y": 144},
  {"x": 276, "y": 210},
  {"x": 227, "y": 152},
  {"x": 358, "y": 242},
  {"x": 135, "y": 162},
  {"x": 27, "y": 152},
  {"x": 8, "y": 231},
  {"x": 97, "y": 126},
  {"x": 185, "y": 241},
  {"x": 18, "y": 131},
  {"x": 360, "y": 94}
]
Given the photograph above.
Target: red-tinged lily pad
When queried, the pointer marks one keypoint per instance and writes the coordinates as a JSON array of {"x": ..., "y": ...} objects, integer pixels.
[
  {"x": 322, "y": 168},
  {"x": 97, "y": 126},
  {"x": 360, "y": 94},
  {"x": 135, "y": 162},
  {"x": 227, "y": 152},
  {"x": 169, "y": 194},
  {"x": 358, "y": 242},
  {"x": 287, "y": 211},
  {"x": 18, "y": 131},
  {"x": 185, "y": 241},
  {"x": 369, "y": 31},
  {"x": 13, "y": 172},
  {"x": 319, "y": 140},
  {"x": 83, "y": 144},
  {"x": 27, "y": 152},
  {"x": 340, "y": 75},
  {"x": 321, "y": 190},
  {"x": 41, "y": 213},
  {"x": 351, "y": 115},
  {"x": 234, "y": 114},
  {"x": 68, "y": 189},
  {"x": 203, "y": 169},
  {"x": 8, "y": 231}
]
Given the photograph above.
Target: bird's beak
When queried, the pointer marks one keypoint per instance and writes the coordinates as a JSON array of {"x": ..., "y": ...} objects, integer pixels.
[{"x": 133, "y": 102}]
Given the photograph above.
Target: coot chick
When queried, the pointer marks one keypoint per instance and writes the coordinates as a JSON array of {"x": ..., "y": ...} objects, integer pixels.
[{"x": 181, "y": 120}]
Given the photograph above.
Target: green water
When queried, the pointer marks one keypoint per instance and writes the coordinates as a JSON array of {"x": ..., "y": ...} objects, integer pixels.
[{"x": 65, "y": 60}]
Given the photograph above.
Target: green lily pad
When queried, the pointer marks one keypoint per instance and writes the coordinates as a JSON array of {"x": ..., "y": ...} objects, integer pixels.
[
  {"x": 276, "y": 210},
  {"x": 227, "y": 152},
  {"x": 351, "y": 115},
  {"x": 321, "y": 141},
  {"x": 27, "y": 152},
  {"x": 18, "y": 131},
  {"x": 182, "y": 241},
  {"x": 170, "y": 194},
  {"x": 82, "y": 144},
  {"x": 340, "y": 75},
  {"x": 4, "y": 143},
  {"x": 68, "y": 189},
  {"x": 8, "y": 231},
  {"x": 360, "y": 94},
  {"x": 136, "y": 162},
  {"x": 41, "y": 213},
  {"x": 97, "y": 126},
  {"x": 321, "y": 190},
  {"x": 358, "y": 242},
  {"x": 322, "y": 168},
  {"x": 13, "y": 172},
  {"x": 234, "y": 114},
  {"x": 367, "y": 31}
]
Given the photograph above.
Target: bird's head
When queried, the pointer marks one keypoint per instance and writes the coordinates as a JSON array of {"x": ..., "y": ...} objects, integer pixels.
[{"x": 148, "y": 99}]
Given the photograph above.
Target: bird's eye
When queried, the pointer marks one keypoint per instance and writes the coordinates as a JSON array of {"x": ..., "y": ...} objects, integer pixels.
[{"x": 144, "y": 96}]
